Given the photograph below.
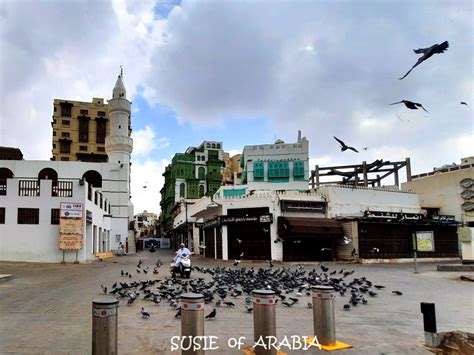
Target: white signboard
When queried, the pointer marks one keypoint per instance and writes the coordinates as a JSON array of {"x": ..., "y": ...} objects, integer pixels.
[{"x": 71, "y": 210}]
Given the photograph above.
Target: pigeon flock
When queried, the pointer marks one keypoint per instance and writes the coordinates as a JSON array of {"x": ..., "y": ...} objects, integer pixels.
[
  {"x": 427, "y": 53},
  {"x": 228, "y": 287}
]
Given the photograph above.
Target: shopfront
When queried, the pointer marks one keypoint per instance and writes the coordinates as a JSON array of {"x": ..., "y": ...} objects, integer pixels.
[{"x": 309, "y": 239}]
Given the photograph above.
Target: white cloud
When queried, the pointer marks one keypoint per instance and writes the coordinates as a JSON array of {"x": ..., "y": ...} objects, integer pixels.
[
  {"x": 319, "y": 66},
  {"x": 149, "y": 174},
  {"x": 70, "y": 50}
]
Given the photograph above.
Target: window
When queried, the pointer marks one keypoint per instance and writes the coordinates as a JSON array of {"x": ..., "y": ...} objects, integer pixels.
[
  {"x": 2, "y": 215},
  {"x": 298, "y": 170},
  {"x": 278, "y": 171},
  {"x": 66, "y": 122},
  {"x": 28, "y": 188},
  {"x": 62, "y": 189},
  {"x": 100, "y": 149},
  {"x": 66, "y": 109},
  {"x": 258, "y": 171},
  {"x": 181, "y": 189},
  {"x": 84, "y": 130},
  {"x": 84, "y": 112},
  {"x": 83, "y": 147},
  {"x": 201, "y": 173},
  {"x": 213, "y": 145},
  {"x": 201, "y": 191},
  {"x": 54, "y": 145},
  {"x": 54, "y": 133},
  {"x": 65, "y": 134},
  {"x": 218, "y": 146},
  {"x": 65, "y": 147},
  {"x": 55, "y": 109},
  {"x": 101, "y": 113},
  {"x": 28, "y": 216},
  {"x": 101, "y": 128},
  {"x": 54, "y": 215}
]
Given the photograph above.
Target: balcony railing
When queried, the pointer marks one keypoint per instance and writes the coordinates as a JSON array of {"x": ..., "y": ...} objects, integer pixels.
[
  {"x": 61, "y": 189},
  {"x": 28, "y": 188}
]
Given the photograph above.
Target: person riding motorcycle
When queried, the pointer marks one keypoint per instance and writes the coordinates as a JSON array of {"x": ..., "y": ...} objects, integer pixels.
[{"x": 182, "y": 251}]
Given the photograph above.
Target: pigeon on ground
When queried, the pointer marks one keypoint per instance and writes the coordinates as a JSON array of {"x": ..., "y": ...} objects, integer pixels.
[
  {"x": 229, "y": 304},
  {"x": 344, "y": 147},
  {"x": 410, "y": 104},
  {"x": 249, "y": 309},
  {"x": 379, "y": 287},
  {"x": 428, "y": 53},
  {"x": 399, "y": 293},
  {"x": 104, "y": 288},
  {"x": 145, "y": 314},
  {"x": 178, "y": 314},
  {"x": 347, "y": 307},
  {"x": 211, "y": 315}
]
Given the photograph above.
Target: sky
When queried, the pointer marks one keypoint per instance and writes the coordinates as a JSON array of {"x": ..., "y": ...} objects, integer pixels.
[{"x": 245, "y": 73}]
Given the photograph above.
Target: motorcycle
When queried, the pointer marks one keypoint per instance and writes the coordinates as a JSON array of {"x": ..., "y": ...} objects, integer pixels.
[{"x": 184, "y": 268}]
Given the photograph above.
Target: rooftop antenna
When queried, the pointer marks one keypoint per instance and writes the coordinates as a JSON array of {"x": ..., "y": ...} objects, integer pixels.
[{"x": 121, "y": 72}]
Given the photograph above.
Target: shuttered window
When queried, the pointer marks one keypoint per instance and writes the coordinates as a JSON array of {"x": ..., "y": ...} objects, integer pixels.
[
  {"x": 258, "y": 171},
  {"x": 298, "y": 170},
  {"x": 278, "y": 171}
]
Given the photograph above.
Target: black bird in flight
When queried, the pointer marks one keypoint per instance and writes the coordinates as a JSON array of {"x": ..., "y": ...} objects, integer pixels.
[
  {"x": 410, "y": 104},
  {"x": 344, "y": 147},
  {"x": 428, "y": 53},
  {"x": 464, "y": 103},
  {"x": 211, "y": 315}
]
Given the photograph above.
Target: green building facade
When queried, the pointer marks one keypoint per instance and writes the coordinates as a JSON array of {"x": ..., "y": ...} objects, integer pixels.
[{"x": 191, "y": 175}]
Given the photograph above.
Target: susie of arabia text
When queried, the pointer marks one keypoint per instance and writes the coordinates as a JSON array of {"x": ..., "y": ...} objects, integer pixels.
[{"x": 209, "y": 342}]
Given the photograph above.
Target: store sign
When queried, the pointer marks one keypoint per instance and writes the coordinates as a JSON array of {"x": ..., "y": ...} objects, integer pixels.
[
  {"x": 71, "y": 226},
  {"x": 266, "y": 218},
  {"x": 424, "y": 241},
  {"x": 303, "y": 206},
  {"x": 392, "y": 216},
  {"x": 224, "y": 220},
  {"x": 444, "y": 218}
]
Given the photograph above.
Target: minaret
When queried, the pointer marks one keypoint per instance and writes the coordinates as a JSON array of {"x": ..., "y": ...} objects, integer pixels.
[{"x": 118, "y": 144}]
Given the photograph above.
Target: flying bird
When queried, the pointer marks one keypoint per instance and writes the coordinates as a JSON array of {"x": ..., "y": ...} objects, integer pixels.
[
  {"x": 236, "y": 262},
  {"x": 211, "y": 315},
  {"x": 410, "y": 104},
  {"x": 344, "y": 147},
  {"x": 464, "y": 103},
  {"x": 428, "y": 53}
]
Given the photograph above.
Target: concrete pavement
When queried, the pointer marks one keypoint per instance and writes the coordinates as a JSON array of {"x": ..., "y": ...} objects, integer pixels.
[{"x": 46, "y": 308}]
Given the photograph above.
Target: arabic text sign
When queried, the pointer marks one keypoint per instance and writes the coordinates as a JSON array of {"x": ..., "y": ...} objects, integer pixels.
[
  {"x": 71, "y": 226},
  {"x": 70, "y": 241},
  {"x": 424, "y": 241},
  {"x": 71, "y": 210}
]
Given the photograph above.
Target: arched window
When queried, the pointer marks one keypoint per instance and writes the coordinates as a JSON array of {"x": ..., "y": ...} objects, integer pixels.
[
  {"x": 93, "y": 178},
  {"x": 48, "y": 174},
  {"x": 4, "y": 175},
  {"x": 201, "y": 191},
  {"x": 201, "y": 173},
  {"x": 181, "y": 189}
]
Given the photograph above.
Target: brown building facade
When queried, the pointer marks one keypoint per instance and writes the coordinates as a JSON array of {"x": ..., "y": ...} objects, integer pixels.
[{"x": 79, "y": 130}]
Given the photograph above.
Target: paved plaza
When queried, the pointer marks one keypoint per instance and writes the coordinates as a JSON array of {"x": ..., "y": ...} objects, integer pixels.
[{"x": 46, "y": 309}]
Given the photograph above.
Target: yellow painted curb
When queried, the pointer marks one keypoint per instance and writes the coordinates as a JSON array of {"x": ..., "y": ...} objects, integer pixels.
[
  {"x": 338, "y": 346},
  {"x": 251, "y": 351}
]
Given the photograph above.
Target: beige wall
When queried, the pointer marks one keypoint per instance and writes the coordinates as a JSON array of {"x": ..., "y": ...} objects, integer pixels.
[
  {"x": 443, "y": 190},
  {"x": 59, "y": 128}
]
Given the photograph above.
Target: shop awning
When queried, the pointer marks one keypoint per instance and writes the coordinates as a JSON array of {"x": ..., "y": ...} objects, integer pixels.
[{"x": 288, "y": 226}]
